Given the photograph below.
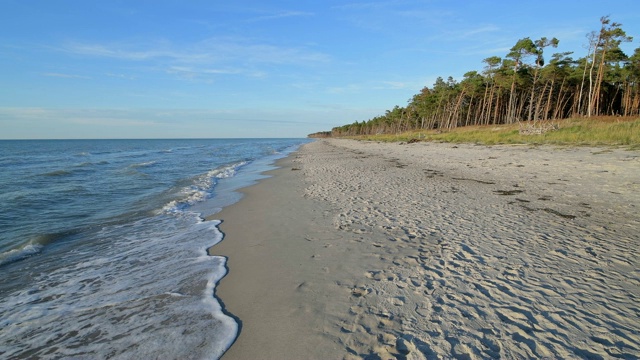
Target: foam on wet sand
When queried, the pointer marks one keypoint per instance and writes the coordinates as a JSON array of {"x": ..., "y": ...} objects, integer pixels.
[{"x": 356, "y": 249}]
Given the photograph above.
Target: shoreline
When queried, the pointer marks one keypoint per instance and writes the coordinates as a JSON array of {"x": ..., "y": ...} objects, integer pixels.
[
  {"x": 262, "y": 276},
  {"x": 435, "y": 250}
]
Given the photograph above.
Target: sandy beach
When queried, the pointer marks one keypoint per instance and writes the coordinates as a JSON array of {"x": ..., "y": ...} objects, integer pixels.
[{"x": 434, "y": 251}]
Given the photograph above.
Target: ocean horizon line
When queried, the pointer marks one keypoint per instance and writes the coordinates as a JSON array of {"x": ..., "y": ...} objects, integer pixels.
[{"x": 158, "y": 138}]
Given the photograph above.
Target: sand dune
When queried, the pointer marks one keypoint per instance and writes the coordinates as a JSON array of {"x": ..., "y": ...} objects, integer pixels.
[{"x": 437, "y": 251}]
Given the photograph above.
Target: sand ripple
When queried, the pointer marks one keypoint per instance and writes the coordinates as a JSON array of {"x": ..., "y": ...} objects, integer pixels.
[{"x": 473, "y": 252}]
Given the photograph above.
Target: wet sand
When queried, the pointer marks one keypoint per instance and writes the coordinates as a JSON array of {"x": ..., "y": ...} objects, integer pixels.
[{"x": 426, "y": 250}]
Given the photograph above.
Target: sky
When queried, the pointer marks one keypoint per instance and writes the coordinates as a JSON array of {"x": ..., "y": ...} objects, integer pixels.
[{"x": 245, "y": 69}]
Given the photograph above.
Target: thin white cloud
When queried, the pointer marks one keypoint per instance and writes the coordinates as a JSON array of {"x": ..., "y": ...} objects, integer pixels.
[
  {"x": 209, "y": 74},
  {"x": 350, "y": 88},
  {"x": 244, "y": 50},
  {"x": 486, "y": 31},
  {"x": 125, "y": 52},
  {"x": 141, "y": 117},
  {"x": 394, "y": 16},
  {"x": 214, "y": 50},
  {"x": 66, "y": 76},
  {"x": 121, "y": 76},
  {"x": 207, "y": 58},
  {"x": 393, "y": 85},
  {"x": 192, "y": 71},
  {"x": 490, "y": 28},
  {"x": 429, "y": 16},
  {"x": 11, "y": 114},
  {"x": 363, "y": 5},
  {"x": 281, "y": 15},
  {"x": 103, "y": 117},
  {"x": 377, "y": 85},
  {"x": 111, "y": 121}
]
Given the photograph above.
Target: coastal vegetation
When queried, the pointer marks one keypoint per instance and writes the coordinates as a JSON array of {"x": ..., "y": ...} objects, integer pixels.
[
  {"x": 596, "y": 131},
  {"x": 591, "y": 100}
]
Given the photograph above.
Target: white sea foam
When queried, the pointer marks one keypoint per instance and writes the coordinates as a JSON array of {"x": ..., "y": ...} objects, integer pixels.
[
  {"x": 19, "y": 253},
  {"x": 201, "y": 188},
  {"x": 145, "y": 287}
]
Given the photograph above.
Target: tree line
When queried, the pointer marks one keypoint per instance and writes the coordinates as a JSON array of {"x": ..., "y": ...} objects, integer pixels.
[{"x": 521, "y": 87}]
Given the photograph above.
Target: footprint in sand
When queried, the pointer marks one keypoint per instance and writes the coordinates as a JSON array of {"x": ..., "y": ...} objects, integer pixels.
[
  {"x": 360, "y": 292},
  {"x": 398, "y": 300}
]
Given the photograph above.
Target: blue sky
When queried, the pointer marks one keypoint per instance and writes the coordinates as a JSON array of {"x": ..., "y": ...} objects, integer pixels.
[{"x": 174, "y": 69}]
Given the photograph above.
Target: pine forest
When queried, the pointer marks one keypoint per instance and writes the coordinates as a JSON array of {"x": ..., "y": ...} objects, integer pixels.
[{"x": 522, "y": 86}]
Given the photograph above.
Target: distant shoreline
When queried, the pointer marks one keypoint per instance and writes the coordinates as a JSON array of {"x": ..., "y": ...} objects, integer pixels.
[{"x": 601, "y": 131}]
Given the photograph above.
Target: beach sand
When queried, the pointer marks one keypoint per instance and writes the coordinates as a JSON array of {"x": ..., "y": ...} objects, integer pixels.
[{"x": 428, "y": 250}]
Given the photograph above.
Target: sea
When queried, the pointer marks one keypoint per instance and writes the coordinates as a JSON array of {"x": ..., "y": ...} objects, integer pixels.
[{"x": 103, "y": 245}]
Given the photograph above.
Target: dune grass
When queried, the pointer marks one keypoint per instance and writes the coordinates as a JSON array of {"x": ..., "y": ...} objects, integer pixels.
[{"x": 601, "y": 131}]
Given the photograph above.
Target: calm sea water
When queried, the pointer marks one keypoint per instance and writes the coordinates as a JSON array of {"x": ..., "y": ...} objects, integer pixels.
[{"x": 103, "y": 245}]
